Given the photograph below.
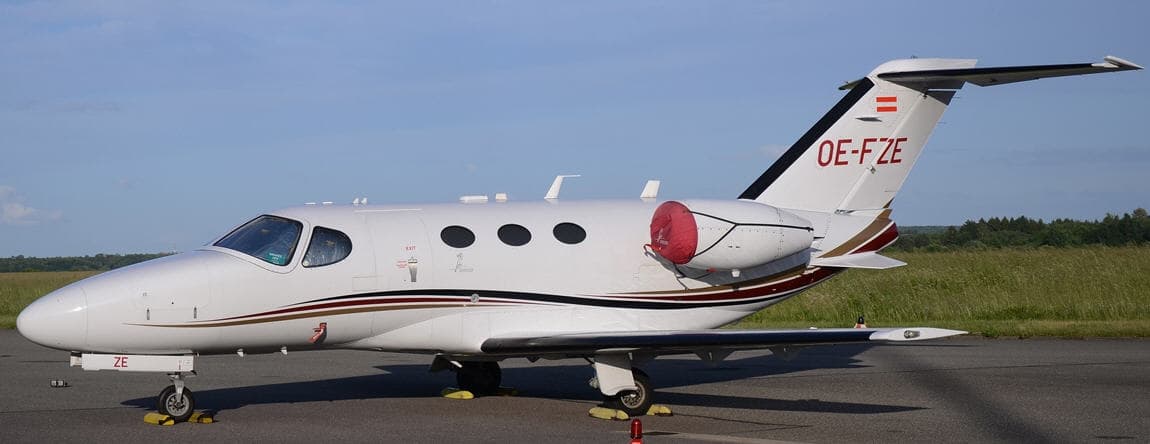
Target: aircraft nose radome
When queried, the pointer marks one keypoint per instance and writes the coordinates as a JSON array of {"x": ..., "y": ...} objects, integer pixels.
[{"x": 57, "y": 320}]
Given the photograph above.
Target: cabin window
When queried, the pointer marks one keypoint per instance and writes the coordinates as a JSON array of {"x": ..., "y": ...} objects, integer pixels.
[
  {"x": 569, "y": 233},
  {"x": 271, "y": 239},
  {"x": 327, "y": 246},
  {"x": 457, "y": 236},
  {"x": 514, "y": 235}
]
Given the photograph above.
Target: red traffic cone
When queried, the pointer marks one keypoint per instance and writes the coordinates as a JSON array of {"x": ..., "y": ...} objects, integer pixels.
[{"x": 636, "y": 431}]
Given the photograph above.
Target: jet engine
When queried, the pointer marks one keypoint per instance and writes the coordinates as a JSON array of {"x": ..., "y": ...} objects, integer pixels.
[{"x": 726, "y": 235}]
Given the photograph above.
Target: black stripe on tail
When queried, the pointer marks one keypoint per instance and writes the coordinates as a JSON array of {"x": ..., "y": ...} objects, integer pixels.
[{"x": 795, "y": 151}]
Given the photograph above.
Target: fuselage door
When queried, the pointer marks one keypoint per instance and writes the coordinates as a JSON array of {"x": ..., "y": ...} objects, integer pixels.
[{"x": 403, "y": 253}]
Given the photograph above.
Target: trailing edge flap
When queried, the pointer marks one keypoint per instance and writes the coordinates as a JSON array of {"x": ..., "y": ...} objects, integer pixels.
[
  {"x": 691, "y": 341},
  {"x": 869, "y": 260}
]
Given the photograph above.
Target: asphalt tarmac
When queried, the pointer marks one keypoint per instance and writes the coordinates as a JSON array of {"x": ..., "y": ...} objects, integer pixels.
[{"x": 957, "y": 390}]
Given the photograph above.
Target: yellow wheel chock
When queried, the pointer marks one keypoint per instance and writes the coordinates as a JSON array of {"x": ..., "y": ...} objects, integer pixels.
[
  {"x": 165, "y": 420},
  {"x": 619, "y": 415},
  {"x": 454, "y": 393}
]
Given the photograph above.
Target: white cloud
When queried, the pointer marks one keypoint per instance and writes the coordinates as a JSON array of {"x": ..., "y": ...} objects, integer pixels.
[{"x": 13, "y": 211}]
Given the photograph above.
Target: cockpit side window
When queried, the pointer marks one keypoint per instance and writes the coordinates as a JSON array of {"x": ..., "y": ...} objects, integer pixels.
[
  {"x": 271, "y": 239},
  {"x": 327, "y": 247}
]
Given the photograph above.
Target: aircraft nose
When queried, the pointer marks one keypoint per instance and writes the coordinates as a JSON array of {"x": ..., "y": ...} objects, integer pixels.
[{"x": 57, "y": 320}]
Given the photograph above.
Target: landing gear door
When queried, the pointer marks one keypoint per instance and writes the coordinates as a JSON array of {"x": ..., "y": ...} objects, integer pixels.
[{"x": 403, "y": 251}]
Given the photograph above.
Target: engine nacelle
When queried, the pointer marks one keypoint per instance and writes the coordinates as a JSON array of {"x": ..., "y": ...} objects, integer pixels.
[{"x": 726, "y": 235}]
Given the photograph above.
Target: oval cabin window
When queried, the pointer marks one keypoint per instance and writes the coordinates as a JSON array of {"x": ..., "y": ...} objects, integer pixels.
[
  {"x": 514, "y": 235},
  {"x": 569, "y": 233},
  {"x": 457, "y": 236}
]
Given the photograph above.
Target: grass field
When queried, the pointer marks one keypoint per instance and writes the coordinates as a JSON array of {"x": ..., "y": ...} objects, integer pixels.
[
  {"x": 17, "y": 290},
  {"x": 1076, "y": 292}
]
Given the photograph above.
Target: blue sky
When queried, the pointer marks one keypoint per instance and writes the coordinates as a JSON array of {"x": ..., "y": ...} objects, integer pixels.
[{"x": 155, "y": 126}]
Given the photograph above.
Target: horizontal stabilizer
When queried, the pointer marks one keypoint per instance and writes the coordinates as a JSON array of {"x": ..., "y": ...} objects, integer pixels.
[
  {"x": 870, "y": 260},
  {"x": 692, "y": 341},
  {"x": 1008, "y": 74}
]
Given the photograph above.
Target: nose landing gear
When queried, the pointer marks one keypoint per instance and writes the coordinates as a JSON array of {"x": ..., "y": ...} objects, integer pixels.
[{"x": 176, "y": 400}]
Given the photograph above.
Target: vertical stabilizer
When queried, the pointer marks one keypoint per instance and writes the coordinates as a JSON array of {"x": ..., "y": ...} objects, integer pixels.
[
  {"x": 858, "y": 155},
  {"x": 843, "y": 173}
]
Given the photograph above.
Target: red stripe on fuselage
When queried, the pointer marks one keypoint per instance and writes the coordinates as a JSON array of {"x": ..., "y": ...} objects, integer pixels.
[{"x": 887, "y": 237}]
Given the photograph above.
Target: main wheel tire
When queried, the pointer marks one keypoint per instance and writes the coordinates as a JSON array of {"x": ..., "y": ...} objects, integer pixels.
[
  {"x": 480, "y": 378},
  {"x": 633, "y": 402},
  {"x": 180, "y": 408}
]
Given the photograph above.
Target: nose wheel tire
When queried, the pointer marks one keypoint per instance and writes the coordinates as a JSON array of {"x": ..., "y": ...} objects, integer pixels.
[
  {"x": 633, "y": 402},
  {"x": 480, "y": 378},
  {"x": 180, "y": 407}
]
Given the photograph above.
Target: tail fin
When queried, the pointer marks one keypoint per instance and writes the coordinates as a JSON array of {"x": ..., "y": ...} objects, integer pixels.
[{"x": 857, "y": 156}]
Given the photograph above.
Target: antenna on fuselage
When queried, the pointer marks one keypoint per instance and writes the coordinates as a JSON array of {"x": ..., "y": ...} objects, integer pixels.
[
  {"x": 650, "y": 191},
  {"x": 553, "y": 193}
]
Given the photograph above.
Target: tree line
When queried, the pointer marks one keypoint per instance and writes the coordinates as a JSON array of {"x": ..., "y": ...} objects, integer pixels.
[
  {"x": 1113, "y": 230},
  {"x": 99, "y": 262}
]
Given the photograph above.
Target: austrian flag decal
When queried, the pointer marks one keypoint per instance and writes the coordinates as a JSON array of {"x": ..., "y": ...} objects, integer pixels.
[{"x": 886, "y": 104}]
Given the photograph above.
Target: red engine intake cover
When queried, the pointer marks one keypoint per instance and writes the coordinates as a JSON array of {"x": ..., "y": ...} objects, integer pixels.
[{"x": 674, "y": 234}]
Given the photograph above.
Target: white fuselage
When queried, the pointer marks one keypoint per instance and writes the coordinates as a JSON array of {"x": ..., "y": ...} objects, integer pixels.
[{"x": 403, "y": 288}]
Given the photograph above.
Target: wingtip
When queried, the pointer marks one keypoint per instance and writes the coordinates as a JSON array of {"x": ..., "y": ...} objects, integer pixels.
[
  {"x": 914, "y": 334},
  {"x": 1121, "y": 63}
]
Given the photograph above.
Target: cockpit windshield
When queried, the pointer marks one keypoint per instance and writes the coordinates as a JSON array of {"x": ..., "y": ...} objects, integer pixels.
[{"x": 271, "y": 239}]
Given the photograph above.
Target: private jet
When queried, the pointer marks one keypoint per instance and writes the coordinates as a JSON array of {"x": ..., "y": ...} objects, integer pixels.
[{"x": 472, "y": 283}]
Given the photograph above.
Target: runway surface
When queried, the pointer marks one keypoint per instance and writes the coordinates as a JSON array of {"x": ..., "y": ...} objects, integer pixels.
[{"x": 959, "y": 390}]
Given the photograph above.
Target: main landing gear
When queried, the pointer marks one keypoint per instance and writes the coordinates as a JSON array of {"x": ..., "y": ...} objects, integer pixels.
[
  {"x": 479, "y": 377},
  {"x": 632, "y": 402},
  {"x": 626, "y": 390}
]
